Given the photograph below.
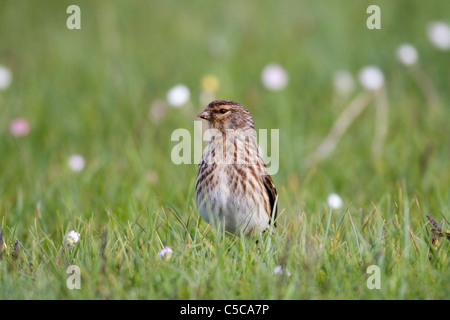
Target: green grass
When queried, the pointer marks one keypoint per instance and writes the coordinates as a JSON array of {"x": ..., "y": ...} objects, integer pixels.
[{"x": 89, "y": 91}]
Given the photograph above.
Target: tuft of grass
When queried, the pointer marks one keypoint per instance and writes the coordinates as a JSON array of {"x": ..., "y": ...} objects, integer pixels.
[{"x": 320, "y": 257}]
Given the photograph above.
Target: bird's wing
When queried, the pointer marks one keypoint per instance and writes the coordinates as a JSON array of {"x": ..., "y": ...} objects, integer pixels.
[{"x": 272, "y": 192}]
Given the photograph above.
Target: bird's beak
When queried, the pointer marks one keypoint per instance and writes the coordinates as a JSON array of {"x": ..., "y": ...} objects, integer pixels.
[{"x": 204, "y": 115}]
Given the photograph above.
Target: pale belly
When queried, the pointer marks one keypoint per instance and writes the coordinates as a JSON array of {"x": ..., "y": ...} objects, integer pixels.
[{"x": 226, "y": 208}]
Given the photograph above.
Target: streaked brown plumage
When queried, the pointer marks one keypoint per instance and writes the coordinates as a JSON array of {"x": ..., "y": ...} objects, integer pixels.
[{"x": 233, "y": 187}]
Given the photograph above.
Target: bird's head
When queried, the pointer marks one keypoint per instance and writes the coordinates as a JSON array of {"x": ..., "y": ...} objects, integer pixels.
[{"x": 227, "y": 114}]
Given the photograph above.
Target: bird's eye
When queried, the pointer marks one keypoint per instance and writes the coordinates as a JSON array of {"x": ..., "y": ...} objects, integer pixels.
[{"x": 222, "y": 111}]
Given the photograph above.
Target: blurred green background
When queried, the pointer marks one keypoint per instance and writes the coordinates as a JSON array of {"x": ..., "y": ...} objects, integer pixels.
[{"x": 89, "y": 92}]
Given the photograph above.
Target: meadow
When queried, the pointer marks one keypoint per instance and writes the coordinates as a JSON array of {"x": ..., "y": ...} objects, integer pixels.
[{"x": 100, "y": 94}]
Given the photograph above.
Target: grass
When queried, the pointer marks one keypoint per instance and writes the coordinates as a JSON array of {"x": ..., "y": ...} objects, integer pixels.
[
  {"x": 88, "y": 92},
  {"x": 326, "y": 257}
]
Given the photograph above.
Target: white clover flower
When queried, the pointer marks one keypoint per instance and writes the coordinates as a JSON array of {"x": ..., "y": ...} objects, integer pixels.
[
  {"x": 279, "y": 271},
  {"x": 71, "y": 238},
  {"x": 343, "y": 81},
  {"x": 178, "y": 95},
  {"x": 5, "y": 77},
  {"x": 274, "y": 77},
  {"x": 165, "y": 253},
  {"x": 334, "y": 201},
  {"x": 371, "y": 78},
  {"x": 76, "y": 162},
  {"x": 439, "y": 34},
  {"x": 407, "y": 54},
  {"x": 19, "y": 127}
]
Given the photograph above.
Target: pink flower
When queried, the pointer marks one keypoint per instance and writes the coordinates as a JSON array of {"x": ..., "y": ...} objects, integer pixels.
[
  {"x": 76, "y": 162},
  {"x": 274, "y": 77},
  {"x": 19, "y": 127}
]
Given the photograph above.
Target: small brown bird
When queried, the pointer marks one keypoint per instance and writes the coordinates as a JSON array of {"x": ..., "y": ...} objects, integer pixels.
[{"x": 233, "y": 186}]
